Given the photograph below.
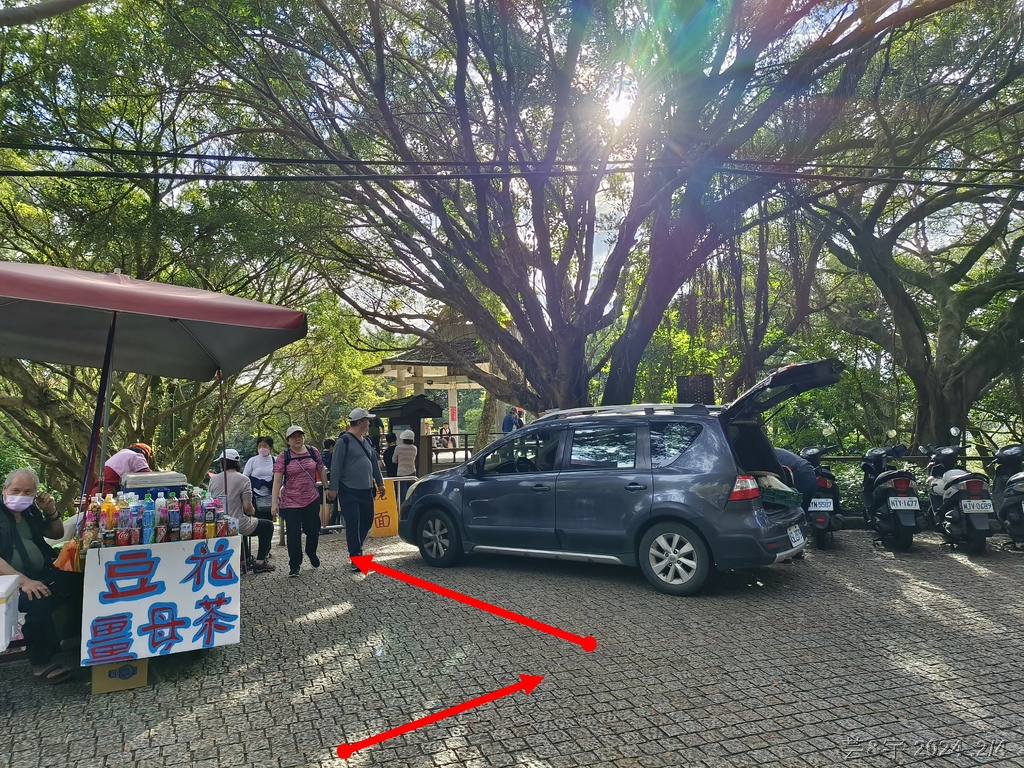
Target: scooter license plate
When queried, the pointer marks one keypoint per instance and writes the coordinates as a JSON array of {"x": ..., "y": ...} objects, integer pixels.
[
  {"x": 796, "y": 536},
  {"x": 904, "y": 502},
  {"x": 976, "y": 505},
  {"x": 821, "y": 505}
]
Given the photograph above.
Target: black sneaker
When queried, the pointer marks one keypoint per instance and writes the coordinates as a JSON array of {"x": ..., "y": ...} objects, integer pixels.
[
  {"x": 293, "y": 572},
  {"x": 355, "y": 568},
  {"x": 314, "y": 561}
]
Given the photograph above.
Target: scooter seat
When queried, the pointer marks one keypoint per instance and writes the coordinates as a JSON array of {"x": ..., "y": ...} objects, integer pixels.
[
  {"x": 888, "y": 475},
  {"x": 950, "y": 477},
  {"x": 1014, "y": 479}
]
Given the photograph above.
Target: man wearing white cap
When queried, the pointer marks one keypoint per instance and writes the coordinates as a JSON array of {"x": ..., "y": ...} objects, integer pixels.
[{"x": 355, "y": 472}]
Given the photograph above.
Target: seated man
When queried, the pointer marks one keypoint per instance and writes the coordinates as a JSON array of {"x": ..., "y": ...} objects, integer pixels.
[{"x": 26, "y": 516}]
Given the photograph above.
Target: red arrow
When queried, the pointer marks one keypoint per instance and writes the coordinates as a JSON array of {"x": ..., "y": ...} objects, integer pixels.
[
  {"x": 526, "y": 683},
  {"x": 365, "y": 564}
]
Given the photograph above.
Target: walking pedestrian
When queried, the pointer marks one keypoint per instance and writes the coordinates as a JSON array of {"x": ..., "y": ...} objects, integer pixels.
[
  {"x": 297, "y": 496},
  {"x": 355, "y": 471}
]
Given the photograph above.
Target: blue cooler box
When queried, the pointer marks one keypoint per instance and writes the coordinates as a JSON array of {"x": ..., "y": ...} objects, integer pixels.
[{"x": 153, "y": 483}]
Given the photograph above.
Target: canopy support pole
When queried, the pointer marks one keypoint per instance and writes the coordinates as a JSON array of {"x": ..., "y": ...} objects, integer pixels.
[{"x": 102, "y": 410}]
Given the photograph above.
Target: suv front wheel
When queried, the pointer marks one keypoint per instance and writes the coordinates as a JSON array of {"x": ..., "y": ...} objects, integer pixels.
[
  {"x": 439, "y": 540},
  {"x": 674, "y": 558}
]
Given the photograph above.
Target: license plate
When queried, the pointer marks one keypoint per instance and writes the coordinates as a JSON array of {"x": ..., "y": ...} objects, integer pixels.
[
  {"x": 904, "y": 502},
  {"x": 796, "y": 536},
  {"x": 821, "y": 505},
  {"x": 981, "y": 505}
]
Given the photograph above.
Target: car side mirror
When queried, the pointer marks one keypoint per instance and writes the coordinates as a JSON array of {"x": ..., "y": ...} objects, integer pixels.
[{"x": 473, "y": 469}]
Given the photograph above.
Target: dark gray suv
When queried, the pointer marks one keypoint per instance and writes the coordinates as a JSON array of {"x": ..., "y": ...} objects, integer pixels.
[{"x": 672, "y": 488}]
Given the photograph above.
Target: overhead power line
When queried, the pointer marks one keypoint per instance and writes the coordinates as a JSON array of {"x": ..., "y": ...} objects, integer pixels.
[
  {"x": 486, "y": 176},
  {"x": 472, "y": 170},
  {"x": 507, "y": 165}
]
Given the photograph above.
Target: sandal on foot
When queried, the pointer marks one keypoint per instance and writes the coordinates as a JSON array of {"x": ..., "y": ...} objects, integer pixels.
[{"x": 55, "y": 673}]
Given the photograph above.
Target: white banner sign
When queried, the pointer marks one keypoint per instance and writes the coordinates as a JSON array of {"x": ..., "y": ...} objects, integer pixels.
[{"x": 157, "y": 599}]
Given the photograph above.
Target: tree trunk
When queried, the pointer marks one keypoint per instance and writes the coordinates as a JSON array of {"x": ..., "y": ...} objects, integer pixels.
[
  {"x": 938, "y": 411},
  {"x": 483, "y": 427}
]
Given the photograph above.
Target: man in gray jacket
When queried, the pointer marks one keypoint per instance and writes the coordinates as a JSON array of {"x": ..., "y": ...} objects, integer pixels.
[{"x": 355, "y": 471}]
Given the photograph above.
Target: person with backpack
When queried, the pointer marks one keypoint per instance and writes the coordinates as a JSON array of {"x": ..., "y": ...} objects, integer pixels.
[
  {"x": 296, "y": 496},
  {"x": 355, "y": 471}
]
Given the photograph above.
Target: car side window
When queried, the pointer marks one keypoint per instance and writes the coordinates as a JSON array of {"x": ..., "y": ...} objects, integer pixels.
[
  {"x": 531, "y": 452},
  {"x": 603, "y": 448},
  {"x": 669, "y": 439}
]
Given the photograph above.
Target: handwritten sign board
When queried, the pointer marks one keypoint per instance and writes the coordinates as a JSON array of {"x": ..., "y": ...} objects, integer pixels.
[{"x": 158, "y": 599}]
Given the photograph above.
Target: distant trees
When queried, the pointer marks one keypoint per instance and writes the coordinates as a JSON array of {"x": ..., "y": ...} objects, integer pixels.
[
  {"x": 551, "y": 173},
  {"x": 611, "y": 195}
]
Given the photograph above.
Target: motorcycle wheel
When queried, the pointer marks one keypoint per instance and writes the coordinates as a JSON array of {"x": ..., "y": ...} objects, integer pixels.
[
  {"x": 822, "y": 539},
  {"x": 976, "y": 541},
  {"x": 903, "y": 538}
]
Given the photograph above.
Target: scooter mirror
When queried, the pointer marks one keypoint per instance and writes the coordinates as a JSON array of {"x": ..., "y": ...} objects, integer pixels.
[{"x": 954, "y": 431}]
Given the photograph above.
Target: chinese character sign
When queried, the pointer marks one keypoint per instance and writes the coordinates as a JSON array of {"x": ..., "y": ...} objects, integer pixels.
[{"x": 158, "y": 599}]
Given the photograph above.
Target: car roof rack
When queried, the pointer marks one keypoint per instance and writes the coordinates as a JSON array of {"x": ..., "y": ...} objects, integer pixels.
[{"x": 648, "y": 409}]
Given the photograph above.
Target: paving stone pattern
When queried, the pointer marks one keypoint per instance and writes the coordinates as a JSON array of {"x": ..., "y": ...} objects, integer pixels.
[{"x": 854, "y": 656}]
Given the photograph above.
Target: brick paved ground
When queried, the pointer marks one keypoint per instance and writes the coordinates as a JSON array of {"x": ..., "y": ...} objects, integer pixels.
[{"x": 851, "y": 657}]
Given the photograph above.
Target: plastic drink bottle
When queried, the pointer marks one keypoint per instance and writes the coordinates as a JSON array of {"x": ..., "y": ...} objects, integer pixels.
[
  {"x": 90, "y": 534},
  {"x": 160, "y": 508},
  {"x": 173, "y": 518},
  {"x": 108, "y": 521},
  {"x": 148, "y": 512}
]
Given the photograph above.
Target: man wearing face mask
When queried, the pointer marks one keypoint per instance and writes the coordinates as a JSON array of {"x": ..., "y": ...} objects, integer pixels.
[{"x": 26, "y": 516}]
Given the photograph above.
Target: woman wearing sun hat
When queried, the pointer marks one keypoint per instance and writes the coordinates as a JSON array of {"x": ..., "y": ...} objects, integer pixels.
[
  {"x": 236, "y": 487},
  {"x": 297, "y": 470}
]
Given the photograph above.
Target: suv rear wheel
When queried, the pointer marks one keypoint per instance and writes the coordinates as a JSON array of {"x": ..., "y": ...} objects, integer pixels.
[
  {"x": 439, "y": 539},
  {"x": 674, "y": 559}
]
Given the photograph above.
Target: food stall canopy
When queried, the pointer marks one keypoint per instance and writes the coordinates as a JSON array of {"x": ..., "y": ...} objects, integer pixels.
[{"x": 60, "y": 315}]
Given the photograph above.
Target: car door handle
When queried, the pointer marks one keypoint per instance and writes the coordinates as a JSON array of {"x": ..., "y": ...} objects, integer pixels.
[
  {"x": 636, "y": 487},
  {"x": 540, "y": 488}
]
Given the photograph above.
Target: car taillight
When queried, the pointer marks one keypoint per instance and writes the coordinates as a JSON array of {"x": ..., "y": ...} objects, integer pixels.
[
  {"x": 744, "y": 489},
  {"x": 824, "y": 482},
  {"x": 901, "y": 484}
]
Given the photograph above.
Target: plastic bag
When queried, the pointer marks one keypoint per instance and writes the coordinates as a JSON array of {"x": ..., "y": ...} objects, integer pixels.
[{"x": 68, "y": 559}]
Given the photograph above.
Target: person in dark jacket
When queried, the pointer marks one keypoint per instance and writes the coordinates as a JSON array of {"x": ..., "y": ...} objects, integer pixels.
[
  {"x": 390, "y": 465},
  {"x": 803, "y": 474},
  {"x": 26, "y": 516},
  {"x": 511, "y": 422}
]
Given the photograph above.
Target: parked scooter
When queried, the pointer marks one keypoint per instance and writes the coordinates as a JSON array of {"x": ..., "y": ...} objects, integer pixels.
[
  {"x": 959, "y": 501},
  {"x": 1008, "y": 491},
  {"x": 891, "y": 505},
  {"x": 825, "y": 512}
]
